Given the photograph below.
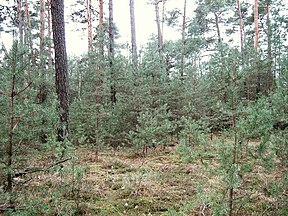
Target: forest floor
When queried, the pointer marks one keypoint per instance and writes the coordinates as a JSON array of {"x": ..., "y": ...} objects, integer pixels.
[
  {"x": 129, "y": 185},
  {"x": 120, "y": 182}
]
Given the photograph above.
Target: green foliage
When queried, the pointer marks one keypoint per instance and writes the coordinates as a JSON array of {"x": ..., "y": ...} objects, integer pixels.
[
  {"x": 32, "y": 120},
  {"x": 256, "y": 119},
  {"x": 217, "y": 93},
  {"x": 152, "y": 129},
  {"x": 194, "y": 133},
  {"x": 87, "y": 123}
]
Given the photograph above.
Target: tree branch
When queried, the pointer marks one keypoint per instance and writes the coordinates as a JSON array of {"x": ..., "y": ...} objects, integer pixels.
[
  {"x": 17, "y": 93},
  {"x": 39, "y": 169}
]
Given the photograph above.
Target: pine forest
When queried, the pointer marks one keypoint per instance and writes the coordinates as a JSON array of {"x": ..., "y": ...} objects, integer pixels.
[{"x": 192, "y": 121}]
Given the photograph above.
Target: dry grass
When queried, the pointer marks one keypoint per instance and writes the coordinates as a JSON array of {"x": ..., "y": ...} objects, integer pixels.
[{"x": 121, "y": 183}]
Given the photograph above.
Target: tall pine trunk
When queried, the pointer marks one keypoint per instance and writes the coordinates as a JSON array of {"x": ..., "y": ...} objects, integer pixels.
[
  {"x": 256, "y": 47},
  {"x": 27, "y": 29},
  {"x": 20, "y": 21},
  {"x": 133, "y": 35},
  {"x": 101, "y": 41},
  {"x": 183, "y": 39},
  {"x": 61, "y": 68},
  {"x": 49, "y": 34},
  {"x": 89, "y": 19},
  {"x": 111, "y": 52},
  {"x": 42, "y": 34},
  {"x": 269, "y": 75},
  {"x": 163, "y": 18},
  {"x": 159, "y": 34}
]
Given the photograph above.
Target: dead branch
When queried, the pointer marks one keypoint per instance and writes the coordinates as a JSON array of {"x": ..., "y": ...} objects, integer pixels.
[
  {"x": 39, "y": 169},
  {"x": 24, "y": 89}
]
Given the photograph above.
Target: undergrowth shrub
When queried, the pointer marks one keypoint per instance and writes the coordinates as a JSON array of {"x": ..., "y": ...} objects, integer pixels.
[{"x": 152, "y": 130}]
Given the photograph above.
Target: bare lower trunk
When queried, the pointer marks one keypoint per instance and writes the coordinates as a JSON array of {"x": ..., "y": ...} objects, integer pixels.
[
  {"x": 235, "y": 149},
  {"x": 61, "y": 67},
  {"x": 11, "y": 142}
]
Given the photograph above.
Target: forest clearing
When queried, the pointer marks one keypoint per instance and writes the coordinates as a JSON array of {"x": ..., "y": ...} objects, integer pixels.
[{"x": 194, "y": 121}]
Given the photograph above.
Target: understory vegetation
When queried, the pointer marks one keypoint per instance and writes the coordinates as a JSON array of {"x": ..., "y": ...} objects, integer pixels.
[{"x": 194, "y": 126}]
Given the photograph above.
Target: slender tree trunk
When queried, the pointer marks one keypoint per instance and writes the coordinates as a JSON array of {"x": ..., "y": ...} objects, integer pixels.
[
  {"x": 61, "y": 68},
  {"x": 256, "y": 24},
  {"x": 233, "y": 85},
  {"x": 111, "y": 32},
  {"x": 217, "y": 23},
  {"x": 163, "y": 18},
  {"x": 101, "y": 42},
  {"x": 256, "y": 47},
  {"x": 133, "y": 35},
  {"x": 11, "y": 137},
  {"x": 42, "y": 33},
  {"x": 49, "y": 34},
  {"x": 269, "y": 75},
  {"x": 218, "y": 27},
  {"x": 20, "y": 21},
  {"x": 269, "y": 43},
  {"x": 28, "y": 39},
  {"x": 240, "y": 25},
  {"x": 183, "y": 39},
  {"x": 160, "y": 38},
  {"x": 111, "y": 51},
  {"x": 89, "y": 18}
]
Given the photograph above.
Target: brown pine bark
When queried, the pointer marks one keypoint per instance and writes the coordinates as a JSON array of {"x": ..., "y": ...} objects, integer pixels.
[
  {"x": 133, "y": 35},
  {"x": 61, "y": 68},
  {"x": 89, "y": 19},
  {"x": 111, "y": 51}
]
